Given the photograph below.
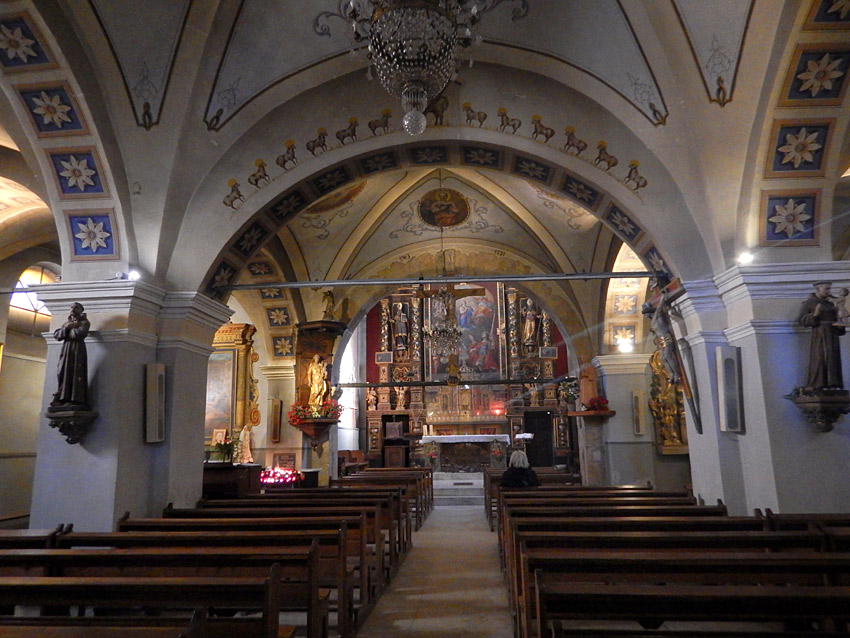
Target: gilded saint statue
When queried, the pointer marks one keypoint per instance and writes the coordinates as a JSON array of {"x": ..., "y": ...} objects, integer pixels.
[
  {"x": 317, "y": 379},
  {"x": 529, "y": 324},
  {"x": 73, "y": 360}
]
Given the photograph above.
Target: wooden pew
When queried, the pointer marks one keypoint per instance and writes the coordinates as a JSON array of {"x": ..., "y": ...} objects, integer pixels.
[
  {"x": 332, "y": 562},
  {"x": 803, "y": 521},
  {"x": 557, "y": 601},
  {"x": 676, "y": 567},
  {"x": 414, "y": 483},
  {"x": 427, "y": 474},
  {"x": 603, "y": 512},
  {"x": 53, "y": 627},
  {"x": 705, "y": 541},
  {"x": 382, "y": 540},
  {"x": 394, "y": 503},
  {"x": 296, "y": 569},
  {"x": 156, "y": 595},
  {"x": 24, "y": 538},
  {"x": 547, "y": 476},
  {"x": 366, "y": 561}
]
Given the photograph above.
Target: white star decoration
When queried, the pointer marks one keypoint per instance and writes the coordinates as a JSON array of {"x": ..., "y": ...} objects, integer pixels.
[
  {"x": 789, "y": 218},
  {"x": 15, "y": 44},
  {"x": 51, "y": 109},
  {"x": 92, "y": 235},
  {"x": 77, "y": 173}
]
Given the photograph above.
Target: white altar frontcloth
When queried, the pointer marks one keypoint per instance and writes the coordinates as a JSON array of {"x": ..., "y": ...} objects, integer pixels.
[{"x": 467, "y": 438}]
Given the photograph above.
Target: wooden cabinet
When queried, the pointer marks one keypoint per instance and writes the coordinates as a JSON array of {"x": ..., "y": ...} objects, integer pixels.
[{"x": 396, "y": 455}]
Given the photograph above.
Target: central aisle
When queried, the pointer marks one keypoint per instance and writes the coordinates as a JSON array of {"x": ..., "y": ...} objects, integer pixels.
[{"x": 450, "y": 585}]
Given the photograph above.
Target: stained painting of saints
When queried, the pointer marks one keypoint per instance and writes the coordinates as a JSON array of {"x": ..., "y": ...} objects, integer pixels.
[
  {"x": 220, "y": 392},
  {"x": 477, "y": 318}
]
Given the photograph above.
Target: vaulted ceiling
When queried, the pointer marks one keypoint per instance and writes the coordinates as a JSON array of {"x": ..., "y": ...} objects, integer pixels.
[{"x": 204, "y": 137}]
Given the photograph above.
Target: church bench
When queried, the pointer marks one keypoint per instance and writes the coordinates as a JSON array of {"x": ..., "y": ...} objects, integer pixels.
[
  {"x": 557, "y": 601},
  {"x": 547, "y": 475},
  {"x": 617, "y": 524},
  {"x": 518, "y": 498},
  {"x": 380, "y": 534},
  {"x": 198, "y": 626},
  {"x": 774, "y": 629},
  {"x": 511, "y": 513},
  {"x": 364, "y": 559},
  {"x": 23, "y": 538},
  {"x": 351, "y": 461},
  {"x": 415, "y": 485},
  {"x": 673, "y": 567},
  {"x": 837, "y": 538},
  {"x": 332, "y": 561},
  {"x": 296, "y": 568},
  {"x": 157, "y": 595},
  {"x": 803, "y": 521},
  {"x": 393, "y": 501},
  {"x": 427, "y": 474},
  {"x": 707, "y": 542}
]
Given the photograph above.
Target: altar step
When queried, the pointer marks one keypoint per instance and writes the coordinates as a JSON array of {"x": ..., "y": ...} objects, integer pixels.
[{"x": 458, "y": 488}]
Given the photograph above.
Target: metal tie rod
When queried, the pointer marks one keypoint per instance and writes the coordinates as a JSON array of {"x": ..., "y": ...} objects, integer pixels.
[{"x": 455, "y": 279}]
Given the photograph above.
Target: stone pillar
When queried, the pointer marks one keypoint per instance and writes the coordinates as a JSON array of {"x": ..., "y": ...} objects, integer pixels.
[
  {"x": 591, "y": 445},
  {"x": 281, "y": 385},
  {"x": 628, "y": 435},
  {"x": 113, "y": 470}
]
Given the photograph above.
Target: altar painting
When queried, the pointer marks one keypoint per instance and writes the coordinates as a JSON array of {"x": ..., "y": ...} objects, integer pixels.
[
  {"x": 221, "y": 383},
  {"x": 478, "y": 320}
]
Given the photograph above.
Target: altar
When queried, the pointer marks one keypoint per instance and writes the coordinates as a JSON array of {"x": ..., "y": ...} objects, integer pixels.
[{"x": 466, "y": 452}]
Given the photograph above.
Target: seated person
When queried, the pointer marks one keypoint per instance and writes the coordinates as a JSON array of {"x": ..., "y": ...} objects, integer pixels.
[{"x": 519, "y": 472}]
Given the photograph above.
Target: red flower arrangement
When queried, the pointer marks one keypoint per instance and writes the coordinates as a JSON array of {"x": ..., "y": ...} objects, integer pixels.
[
  {"x": 279, "y": 475},
  {"x": 298, "y": 412},
  {"x": 598, "y": 404}
]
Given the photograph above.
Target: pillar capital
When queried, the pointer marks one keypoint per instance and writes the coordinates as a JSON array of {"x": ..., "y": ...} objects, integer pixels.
[{"x": 611, "y": 364}]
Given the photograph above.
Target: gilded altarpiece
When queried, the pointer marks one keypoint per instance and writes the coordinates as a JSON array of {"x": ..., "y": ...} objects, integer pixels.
[
  {"x": 232, "y": 393},
  {"x": 505, "y": 337}
]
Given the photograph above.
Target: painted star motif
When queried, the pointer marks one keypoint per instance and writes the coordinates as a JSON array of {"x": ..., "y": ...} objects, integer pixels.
[
  {"x": 429, "y": 155},
  {"x": 579, "y": 191},
  {"x": 798, "y": 148},
  {"x": 331, "y": 180},
  {"x": 625, "y": 304},
  {"x": 51, "y": 109},
  {"x": 790, "y": 218},
  {"x": 15, "y": 44},
  {"x": 480, "y": 156},
  {"x": 623, "y": 223},
  {"x": 623, "y": 334},
  {"x": 656, "y": 262},
  {"x": 279, "y": 317},
  {"x": 77, "y": 173},
  {"x": 282, "y": 346},
  {"x": 271, "y": 293},
  {"x": 532, "y": 169},
  {"x": 92, "y": 235},
  {"x": 223, "y": 276},
  {"x": 260, "y": 268},
  {"x": 842, "y": 7},
  {"x": 250, "y": 239},
  {"x": 379, "y": 163},
  {"x": 289, "y": 205},
  {"x": 819, "y": 75}
]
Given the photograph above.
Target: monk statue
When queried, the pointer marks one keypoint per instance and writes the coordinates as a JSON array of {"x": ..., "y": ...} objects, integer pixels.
[
  {"x": 819, "y": 313},
  {"x": 317, "y": 379},
  {"x": 73, "y": 360}
]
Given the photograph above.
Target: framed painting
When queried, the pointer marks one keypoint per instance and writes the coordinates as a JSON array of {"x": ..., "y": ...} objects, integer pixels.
[{"x": 221, "y": 387}]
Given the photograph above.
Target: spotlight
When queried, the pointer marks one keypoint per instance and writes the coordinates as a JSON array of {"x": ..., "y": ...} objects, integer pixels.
[
  {"x": 134, "y": 275},
  {"x": 625, "y": 346},
  {"x": 745, "y": 258}
]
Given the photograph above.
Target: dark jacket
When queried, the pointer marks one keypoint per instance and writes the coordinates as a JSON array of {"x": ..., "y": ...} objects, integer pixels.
[{"x": 519, "y": 477}]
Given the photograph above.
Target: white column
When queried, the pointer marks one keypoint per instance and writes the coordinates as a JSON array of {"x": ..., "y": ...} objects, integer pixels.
[{"x": 113, "y": 470}]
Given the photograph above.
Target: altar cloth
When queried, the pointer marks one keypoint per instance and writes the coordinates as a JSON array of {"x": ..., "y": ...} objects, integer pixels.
[{"x": 467, "y": 438}]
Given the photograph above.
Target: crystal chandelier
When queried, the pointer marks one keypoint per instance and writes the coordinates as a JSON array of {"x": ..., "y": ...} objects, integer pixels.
[
  {"x": 413, "y": 44},
  {"x": 445, "y": 337}
]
